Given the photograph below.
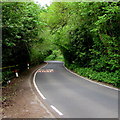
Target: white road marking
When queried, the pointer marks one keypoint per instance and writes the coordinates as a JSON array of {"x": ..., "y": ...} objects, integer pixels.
[
  {"x": 36, "y": 85},
  {"x": 16, "y": 74},
  {"x": 89, "y": 79},
  {"x": 46, "y": 70},
  {"x": 56, "y": 110},
  {"x": 41, "y": 93}
]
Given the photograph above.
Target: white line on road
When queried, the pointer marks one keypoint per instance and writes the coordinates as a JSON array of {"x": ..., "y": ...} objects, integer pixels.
[
  {"x": 89, "y": 79},
  {"x": 56, "y": 110},
  {"x": 36, "y": 85}
]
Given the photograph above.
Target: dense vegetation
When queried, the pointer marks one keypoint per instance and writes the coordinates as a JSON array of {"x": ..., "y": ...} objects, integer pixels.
[
  {"x": 86, "y": 34},
  {"x": 22, "y": 42}
]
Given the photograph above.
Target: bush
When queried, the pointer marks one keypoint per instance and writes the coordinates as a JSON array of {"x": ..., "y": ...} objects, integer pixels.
[{"x": 106, "y": 77}]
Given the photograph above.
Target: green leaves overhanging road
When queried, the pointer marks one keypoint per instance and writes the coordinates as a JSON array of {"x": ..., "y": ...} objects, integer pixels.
[
  {"x": 22, "y": 42},
  {"x": 87, "y": 34}
]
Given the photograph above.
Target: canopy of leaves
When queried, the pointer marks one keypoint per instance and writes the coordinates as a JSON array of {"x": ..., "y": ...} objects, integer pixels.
[
  {"x": 88, "y": 34},
  {"x": 22, "y": 35}
]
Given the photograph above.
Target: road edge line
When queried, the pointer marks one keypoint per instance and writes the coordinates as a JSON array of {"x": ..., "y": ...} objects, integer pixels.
[
  {"x": 89, "y": 79},
  {"x": 56, "y": 110},
  {"x": 36, "y": 85}
]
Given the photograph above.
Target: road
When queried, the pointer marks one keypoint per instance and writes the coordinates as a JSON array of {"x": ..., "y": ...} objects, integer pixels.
[{"x": 75, "y": 97}]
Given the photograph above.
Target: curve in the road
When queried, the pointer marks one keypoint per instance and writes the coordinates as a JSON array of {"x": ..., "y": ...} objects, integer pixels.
[{"x": 72, "y": 96}]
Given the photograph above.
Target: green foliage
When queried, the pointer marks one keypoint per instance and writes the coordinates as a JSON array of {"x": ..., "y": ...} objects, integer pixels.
[
  {"x": 55, "y": 55},
  {"x": 22, "y": 36},
  {"x": 17, "y": 26},
  {"x": 88, "y": 35},
  {"x": 106, "y": 77},
  {"x": 39, "y": 51},
  {"x": 7, "y": 75}
]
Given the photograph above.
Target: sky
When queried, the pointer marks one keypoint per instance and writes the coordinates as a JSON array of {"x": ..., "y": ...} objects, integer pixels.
[{"x": 43, "y": 2}]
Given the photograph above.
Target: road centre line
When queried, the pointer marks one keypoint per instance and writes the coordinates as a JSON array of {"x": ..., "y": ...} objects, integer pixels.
[
  {"x": 90, "y": 80},
  {"x": 56, "y": 110},
  {"x": 36, "y": 85}
]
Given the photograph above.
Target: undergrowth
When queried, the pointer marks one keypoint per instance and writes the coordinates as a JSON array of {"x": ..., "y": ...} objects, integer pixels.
[{"x": 112, "y": 78}]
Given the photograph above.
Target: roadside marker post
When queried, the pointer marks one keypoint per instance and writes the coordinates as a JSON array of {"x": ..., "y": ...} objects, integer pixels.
[
  {"x": 8, "y": 81},
  {"x": 16, "y": 73},
  {"x": 28, "y": 66}
]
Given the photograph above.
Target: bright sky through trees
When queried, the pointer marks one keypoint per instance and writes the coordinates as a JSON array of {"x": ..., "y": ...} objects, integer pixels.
[{"x": 43, "y": 2}]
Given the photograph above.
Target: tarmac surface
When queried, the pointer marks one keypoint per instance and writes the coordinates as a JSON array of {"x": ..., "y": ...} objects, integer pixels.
[{"x": 71, "y": 96}]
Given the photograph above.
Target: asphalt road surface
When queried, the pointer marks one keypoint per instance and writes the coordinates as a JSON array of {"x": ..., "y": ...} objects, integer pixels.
[{"x": 75, "y": 97}]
